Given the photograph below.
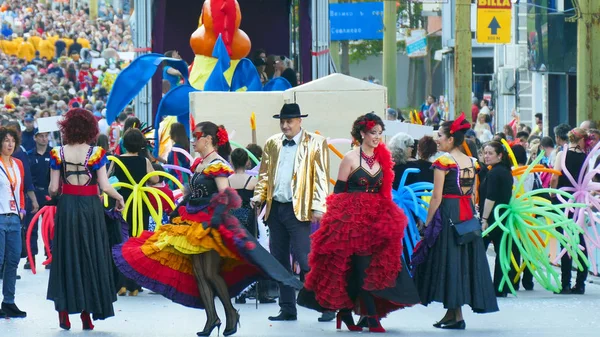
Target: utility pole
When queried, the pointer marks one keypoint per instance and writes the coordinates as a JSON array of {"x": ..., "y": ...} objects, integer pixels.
[
  {"x": 334, "y": 47},
  {"x": 389, "y": 51},
  {"x": 588, "y": 54},
  {"x": 463, "y": 63}
]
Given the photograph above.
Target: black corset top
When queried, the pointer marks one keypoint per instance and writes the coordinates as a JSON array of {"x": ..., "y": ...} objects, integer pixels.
[
  {"x": 202, "y": 186},
  {"x": 360, "y": 180}
]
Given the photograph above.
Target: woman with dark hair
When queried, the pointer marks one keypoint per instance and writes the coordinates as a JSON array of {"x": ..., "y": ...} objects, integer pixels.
[
  {"x": 426, "y": 149},
  {"x": 81, "y": 277},
  {"x": 444, "y": 270},
  {"x": 12, "y": 210},
  {"x": 495, "y": 190},
  {"x": 180, "y": 140},
  {"x": 355, "y": 257},
  {"x": 257, "y": 151},
  {"x": 204, "y": 252},
  {"x": 244, "y": 185},
  {"x": 138, "y": 166}
]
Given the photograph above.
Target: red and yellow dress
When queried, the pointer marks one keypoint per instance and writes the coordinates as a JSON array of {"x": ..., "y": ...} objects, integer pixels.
[{"x": 161, "y": 260}]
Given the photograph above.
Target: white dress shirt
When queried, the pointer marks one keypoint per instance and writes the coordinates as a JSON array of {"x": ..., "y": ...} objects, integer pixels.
[{"x": 285, "y": 170}]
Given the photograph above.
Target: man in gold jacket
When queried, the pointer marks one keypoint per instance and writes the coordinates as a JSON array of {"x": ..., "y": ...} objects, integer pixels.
[{"x": 294, "y": 182}]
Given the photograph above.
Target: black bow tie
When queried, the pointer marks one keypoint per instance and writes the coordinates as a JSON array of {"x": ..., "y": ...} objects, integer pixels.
[{"x": 289, "y": 142}]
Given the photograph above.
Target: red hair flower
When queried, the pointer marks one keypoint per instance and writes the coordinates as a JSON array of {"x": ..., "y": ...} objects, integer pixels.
[
  {"x": 222, "y": 137},
  {"x": 368, "y": 124},
  {"x": 458, "y": 124}
]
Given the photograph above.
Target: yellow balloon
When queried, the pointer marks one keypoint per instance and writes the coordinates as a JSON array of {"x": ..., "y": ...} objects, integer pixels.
[{"x": 139, "y": 197}]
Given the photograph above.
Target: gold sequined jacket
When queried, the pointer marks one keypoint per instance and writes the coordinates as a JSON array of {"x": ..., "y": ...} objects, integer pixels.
[{"x": 310, "y": 181}]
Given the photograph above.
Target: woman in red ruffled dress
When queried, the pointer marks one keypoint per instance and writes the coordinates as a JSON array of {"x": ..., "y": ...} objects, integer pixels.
[{"x": 355, "y": 257}]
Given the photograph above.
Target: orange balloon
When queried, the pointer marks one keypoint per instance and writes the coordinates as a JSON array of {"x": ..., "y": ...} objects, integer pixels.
[
  {"x": 203, "y": 39},
  {"x": 241, "y": 45},
  {"x": 203, "y": 42}
]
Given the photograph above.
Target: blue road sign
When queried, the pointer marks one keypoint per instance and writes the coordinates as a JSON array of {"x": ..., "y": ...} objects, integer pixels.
[
  {"x": 356, "y": 21},
  {"x": 419, "y": 46}
]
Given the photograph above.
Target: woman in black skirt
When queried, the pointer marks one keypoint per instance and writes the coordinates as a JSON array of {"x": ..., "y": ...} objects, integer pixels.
[
  {"x": 495, "y": 190},
  {"x": 81, "y": 279},
  {"x": 444, "y": 270}
]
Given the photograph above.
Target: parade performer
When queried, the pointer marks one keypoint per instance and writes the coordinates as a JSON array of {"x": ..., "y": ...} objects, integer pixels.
[
  {"x": 495, "y": 190},
  {"x": 355, "y": 257},
  {"x": 294, "y": 182},
  {"x": 81, "y": 277},
  {"x": 447, "y": 269},
  {"x": 571, "y": 163},
  {"x": 204, "y": 252}
]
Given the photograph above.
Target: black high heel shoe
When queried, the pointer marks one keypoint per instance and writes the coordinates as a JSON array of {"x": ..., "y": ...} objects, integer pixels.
[
  {"x": 456, "y": 325},
  {"x": 442, "y": 322},
  {"x": 208, "y": 330},
  {"x": 229, "y": 332}
]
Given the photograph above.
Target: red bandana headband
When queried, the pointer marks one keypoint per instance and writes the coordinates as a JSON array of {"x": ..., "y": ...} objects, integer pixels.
[{"x": 458, "y": 125}]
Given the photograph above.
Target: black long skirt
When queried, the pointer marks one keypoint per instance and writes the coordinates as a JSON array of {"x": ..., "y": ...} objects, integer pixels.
[
  {"x": 449, "y": 273},
  {"x": 81, "y": 277}
]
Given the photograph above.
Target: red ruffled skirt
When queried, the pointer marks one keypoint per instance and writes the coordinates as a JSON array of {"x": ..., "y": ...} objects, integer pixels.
[{"x": 363, "y": 224}]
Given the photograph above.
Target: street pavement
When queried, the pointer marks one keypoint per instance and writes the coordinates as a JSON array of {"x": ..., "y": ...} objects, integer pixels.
[{"x": 536, "y": 313}]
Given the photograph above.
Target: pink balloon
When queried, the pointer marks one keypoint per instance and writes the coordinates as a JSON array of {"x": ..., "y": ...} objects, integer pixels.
[
  {"x": 184, "y": 152},
  {"x": 582, "y": 191},
  {"x": 177, "y": 168},
  {"x": 339, "y": 141},
  {"x": 254, "y": 171}
]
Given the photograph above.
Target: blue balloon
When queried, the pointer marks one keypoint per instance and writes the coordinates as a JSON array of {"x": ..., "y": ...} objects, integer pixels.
[
  {"x": 408, "y": 198},
  {"x": 246, "y": 75},
  {"x": 176, "y": 102},
  {"x": 277, "y": 84},
  {"x": 132, "y": 80},
  {"x": 217, "y": 81}
]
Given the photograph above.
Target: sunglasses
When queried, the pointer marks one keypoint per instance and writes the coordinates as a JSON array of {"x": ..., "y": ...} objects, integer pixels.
[{"x": 197, "y": 135}]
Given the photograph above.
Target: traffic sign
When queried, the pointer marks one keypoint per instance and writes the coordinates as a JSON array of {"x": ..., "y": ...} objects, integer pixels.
[{"x": 494, "y": 21}]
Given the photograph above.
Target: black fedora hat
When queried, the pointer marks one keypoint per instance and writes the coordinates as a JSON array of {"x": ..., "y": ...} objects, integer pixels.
[{"x": 291, "y": 110}]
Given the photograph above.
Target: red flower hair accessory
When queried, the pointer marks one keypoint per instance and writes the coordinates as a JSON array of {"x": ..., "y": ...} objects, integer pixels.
[
  {"x": 222, "y": 137},
  {"x": 368, "y": 124},
  {"x": 458, "y": 125}
]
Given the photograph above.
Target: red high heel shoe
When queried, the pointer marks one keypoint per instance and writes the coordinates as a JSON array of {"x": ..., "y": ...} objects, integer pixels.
[
  {"x": 63, "y": 319},
  {"x": 86, "y": 321},
  {"x": 346, "y": 317},
  {"x": 374, "y": 324}
]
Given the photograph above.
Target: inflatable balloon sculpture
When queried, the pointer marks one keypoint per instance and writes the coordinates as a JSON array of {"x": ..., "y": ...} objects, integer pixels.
[
  {"x": 584, "y": 191},
  {"x": 220, "y": 48},
  {"x": 47, "y": 213},
  {"x": 410, "y": 200},
  {"x": 139, "y": 196},
  {"x": 524, "y": 221}
]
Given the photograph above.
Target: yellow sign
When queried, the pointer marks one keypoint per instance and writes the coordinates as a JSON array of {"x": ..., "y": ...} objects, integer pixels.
[{"x": 494, "y": 21}]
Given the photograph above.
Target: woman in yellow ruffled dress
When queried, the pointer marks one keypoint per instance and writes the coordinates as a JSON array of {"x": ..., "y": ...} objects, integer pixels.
[{"x": 204, "y": 252}]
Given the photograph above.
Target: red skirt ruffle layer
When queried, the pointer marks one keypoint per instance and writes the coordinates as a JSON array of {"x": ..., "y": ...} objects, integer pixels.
[{"x": 364, "y": 224}]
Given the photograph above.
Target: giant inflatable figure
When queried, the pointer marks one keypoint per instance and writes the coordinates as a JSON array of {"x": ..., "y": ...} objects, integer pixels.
[
  {"x": 218, "y": 17},
  {"x": 219, "y": 65}
]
